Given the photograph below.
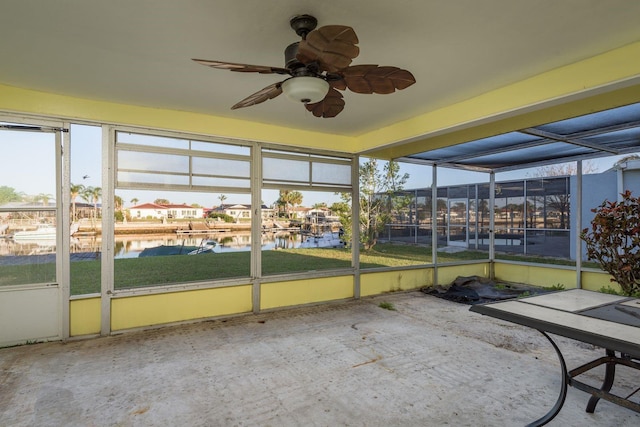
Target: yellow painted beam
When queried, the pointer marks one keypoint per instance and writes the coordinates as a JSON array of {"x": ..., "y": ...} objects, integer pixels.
[
  {"x": 594, "y": 84},
  {"x": 601, "y": 82},
  {"x": 18, "y": 100}
]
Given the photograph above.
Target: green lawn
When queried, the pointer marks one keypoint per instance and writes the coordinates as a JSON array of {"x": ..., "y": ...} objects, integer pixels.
[
  {"x": 27, "y": 273},
  {"x": 162, "y": 270}
]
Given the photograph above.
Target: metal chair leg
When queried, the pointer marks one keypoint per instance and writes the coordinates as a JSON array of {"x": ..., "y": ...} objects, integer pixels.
[
  {"x": 609, "y": 376},
  {"x": 563, "y": 388}
]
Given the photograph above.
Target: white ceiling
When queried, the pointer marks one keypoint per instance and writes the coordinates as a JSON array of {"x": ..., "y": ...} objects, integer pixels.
[{"x": 138, "y": 51}]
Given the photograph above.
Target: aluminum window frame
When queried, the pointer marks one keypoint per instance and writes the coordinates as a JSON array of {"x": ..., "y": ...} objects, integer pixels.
[
  {"x": 310, "y": 158},
  {"x": 257, "y": 150},
  {"x": 189, "y": 153}
]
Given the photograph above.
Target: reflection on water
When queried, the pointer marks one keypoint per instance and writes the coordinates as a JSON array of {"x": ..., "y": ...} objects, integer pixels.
[
  {"x": 130, "y": 246},
  {"x": 33, "y": 247}
]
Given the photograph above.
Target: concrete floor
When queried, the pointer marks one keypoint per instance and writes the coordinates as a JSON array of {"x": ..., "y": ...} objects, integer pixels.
[{"x": 429, "y": 363}]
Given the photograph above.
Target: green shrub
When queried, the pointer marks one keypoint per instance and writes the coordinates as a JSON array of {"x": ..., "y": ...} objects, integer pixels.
[
  {"x": 614, "y": 241},
  {"x": 558, "y": 287},
  {"x": 222, "y": 216}
]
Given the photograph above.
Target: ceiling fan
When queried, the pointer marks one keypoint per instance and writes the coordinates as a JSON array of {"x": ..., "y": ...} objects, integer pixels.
[{"x": 319, "y": 66}]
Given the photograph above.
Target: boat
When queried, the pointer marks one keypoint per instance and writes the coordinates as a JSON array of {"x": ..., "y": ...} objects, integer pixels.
[
  {"x": 43, "y": 232},
  {"x": 325, "y": 240},
  {"x": 205, "y": 247}
]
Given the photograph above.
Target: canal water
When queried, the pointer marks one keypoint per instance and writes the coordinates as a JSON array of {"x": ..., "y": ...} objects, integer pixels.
[{"x": 130, "y": 246}]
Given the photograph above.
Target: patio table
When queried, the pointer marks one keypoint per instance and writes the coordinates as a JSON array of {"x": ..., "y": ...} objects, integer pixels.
[{"x": 608, "y": 321}]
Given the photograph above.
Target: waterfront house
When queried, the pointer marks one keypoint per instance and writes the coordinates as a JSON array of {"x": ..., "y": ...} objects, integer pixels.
[
  {"x": 169, "y": 211},
  {"x": 240, "y": 211}
]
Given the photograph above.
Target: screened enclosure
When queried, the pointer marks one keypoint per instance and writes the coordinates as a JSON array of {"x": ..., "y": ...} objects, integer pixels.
[{"x": 532, "y": 216}]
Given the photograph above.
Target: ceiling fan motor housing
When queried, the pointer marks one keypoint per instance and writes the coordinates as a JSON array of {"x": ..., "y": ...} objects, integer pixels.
[
  {"x": 290, "y": 60},
  {"x": 303, "y": 24}
]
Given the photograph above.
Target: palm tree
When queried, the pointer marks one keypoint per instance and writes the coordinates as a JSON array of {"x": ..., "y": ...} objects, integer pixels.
[
  {"x": 96, "y": 194},
  {"x": 74, "y": 191},
  {"x": 44, "y": 197},
  {"x": 9, "y": 194},
  {"x": 86, "y": 195},
  {"x": 222, "y": 198},
  {"x": 283, "y": 201},
  {"x": 295, "y": 198},
  {"x": 118, "y": 204},
  {"x": 134, "y": 201},
  {"x": 92, "y": 194}
]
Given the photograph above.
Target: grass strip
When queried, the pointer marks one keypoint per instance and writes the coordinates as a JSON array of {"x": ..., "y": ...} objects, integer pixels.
[{"x": 164, "y": 270}]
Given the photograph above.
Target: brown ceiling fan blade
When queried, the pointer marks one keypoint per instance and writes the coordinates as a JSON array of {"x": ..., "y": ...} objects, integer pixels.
[
  {"x": 376, "y": 79},
  {"x": 339, "y": 83},
  {"x": 259, "y": 97},
  {"x": 243, "y": 68},
  {"x": 330, "y": 106},
  {"x": 333, "y": 47}
]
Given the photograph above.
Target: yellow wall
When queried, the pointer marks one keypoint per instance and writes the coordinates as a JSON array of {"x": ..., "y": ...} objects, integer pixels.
[
  {"x": 448, "y": 274},
  {"x": 84, "y": 317},
  {"x": 156, "y": 309},
  {"x": 404, "y": 280},
  {"x": 392, "y": 281},
  {"x": 544, "y": 276},
  {"x": 594, "y": 281},
  {"x": 297, "y": 292},
  {"x": 551, "y": 276}
]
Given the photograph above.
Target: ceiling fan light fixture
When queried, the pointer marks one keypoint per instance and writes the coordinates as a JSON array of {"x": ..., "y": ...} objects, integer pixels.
[{"x": 305, "y": 89}]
